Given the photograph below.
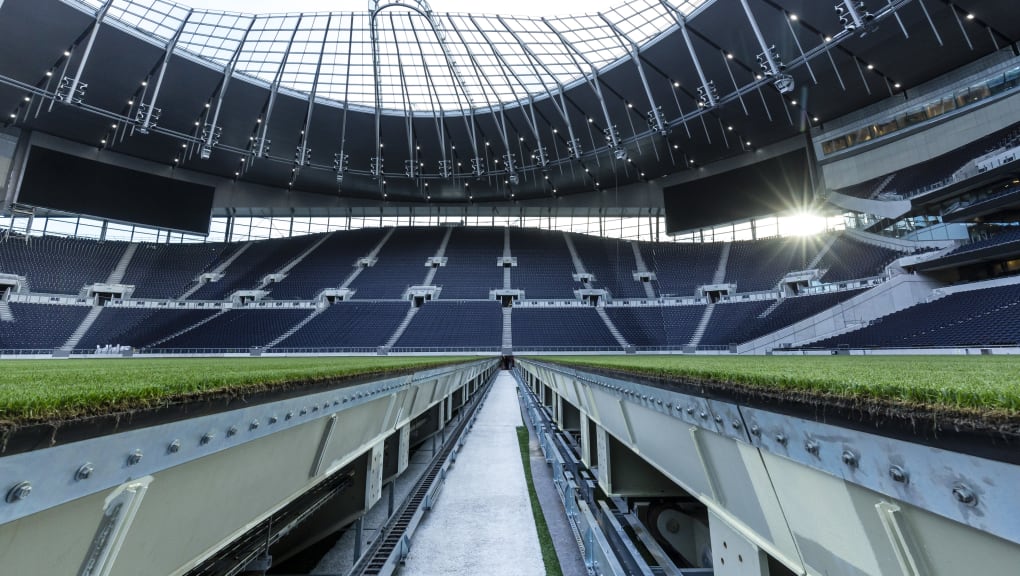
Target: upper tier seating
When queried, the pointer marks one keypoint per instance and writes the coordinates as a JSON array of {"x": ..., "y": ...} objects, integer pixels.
[
  {"x": 984, "y": 317},
  {"x": 612, "y": 263},
  {"x": 1003, "y": 237},
  {"x": 455, "y": 325},
  {"x": 544, "y": 267},
  {"x": 40, "y": 326},
  {"x": 239, "y": 329},
  {"x": 471, "y": 270},
  {"x": 850, "y": 259},
  {"x": 666, "y": 326},
  {"x": 681, "y": 267},
  {"x": 139, "y": 327},
  {"x": 252, "y": 265},
  {"x": 56, "y": 265},
  {"x": 578, "y": 327},
  {"x": 401, "y": 264},
  {"x": 168, "y": 270},
  {"x": 328, "y": 265},
  {"x": 756, "y": 265},
  {"x": 349, "y": 325}
]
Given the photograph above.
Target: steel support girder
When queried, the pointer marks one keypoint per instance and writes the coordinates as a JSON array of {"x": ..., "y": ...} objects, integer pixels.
[
  {"x": 275, "y": 89},
  {"x": 228, "y": 73},
  {"x": 100, "y": 16},
  {"x": 147, "y": 122},
  {"x": 635, "y": 55}
]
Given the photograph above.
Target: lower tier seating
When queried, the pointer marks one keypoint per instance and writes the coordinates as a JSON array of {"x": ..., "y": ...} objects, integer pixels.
[
  {"x": 239, "y": 329},
  {"x": 537, "y": 328},
  {"x": 349, "y": 325},
  {"x": 139, "y": 327},
  {"x": 40, "y": 326},
  {"x": 455, "y": 325}
]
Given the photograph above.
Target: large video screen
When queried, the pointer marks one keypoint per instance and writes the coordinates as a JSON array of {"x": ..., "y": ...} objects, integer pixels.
[
  {"x": 777, "y": 185},
  {"x": 81, "y": 186}
]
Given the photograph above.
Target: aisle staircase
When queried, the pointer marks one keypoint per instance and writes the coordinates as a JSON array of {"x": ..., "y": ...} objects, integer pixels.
[
  {"x": 82, "y": 328},
  {"x": 508, "y": 332},
  {"x": 639, "y": 261},
  {"x": 371, "y": 256},
  {"x": 297, "y": 259},
  {"x": 699, "y": 332},
  {"x": 724, "y": 260},
  {"x": 6, "y": 315},
  {"x": 401, "y": 328},
  {"x": 612, "y": 329},
  {"x": 218, "y": 270},
  {"x": 117, "y": 275},
  {"x": 188, "y": 329},
  {"x": 296, "y": 327}
]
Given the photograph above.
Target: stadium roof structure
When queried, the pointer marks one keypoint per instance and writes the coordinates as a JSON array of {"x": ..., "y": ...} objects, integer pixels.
[{"x": 411, "y": 105}]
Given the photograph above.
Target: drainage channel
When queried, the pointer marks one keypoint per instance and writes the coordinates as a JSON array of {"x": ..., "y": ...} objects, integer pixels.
[{"x": 389, "y": 549}]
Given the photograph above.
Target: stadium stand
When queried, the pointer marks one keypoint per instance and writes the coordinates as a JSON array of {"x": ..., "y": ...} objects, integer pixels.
[
  {"x": 849, "y": 259},
  {"x": 612, "y": 263},
  {"x": 1007, "y": 236},
  {"x": 139, "y": 327},
  {"x": 327, "y": 266},
  {"x": 984, "y": 317},
  {"x": 238, "y": 329},
  {"x": 656, "y": 327},
  {"x": 471, "y": 270},
  {"x": 40, "y": 326},
  {"x": 401, "y": 264},
  {"x": 168, "y": 270},
  {"x": 576, "y": 327},
  {"x": 731, "y": 321},
  {"x": 756, "y": 265},
  {"x": 544, "y": 268},
  {"x": 349, "y": 325},
  {"x": 681, "y": 268},
  {"x": 252, "y": 265},
  {"x": 55, "y": 265},
  {"x": 477, "y": 325}
]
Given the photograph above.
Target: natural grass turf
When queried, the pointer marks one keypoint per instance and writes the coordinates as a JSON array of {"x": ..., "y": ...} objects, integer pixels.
[
  {"x": 545, "y": 542},
  {"x": 974, "y": 384},
  {"x": 40, "y": 390}
]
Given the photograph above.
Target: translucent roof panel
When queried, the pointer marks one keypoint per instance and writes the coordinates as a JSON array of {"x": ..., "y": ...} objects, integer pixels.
[{"x": 427, "y": 62}]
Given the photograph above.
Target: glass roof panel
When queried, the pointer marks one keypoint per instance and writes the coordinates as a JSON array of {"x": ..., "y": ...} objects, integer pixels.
[{"x": 428, "y": 62}]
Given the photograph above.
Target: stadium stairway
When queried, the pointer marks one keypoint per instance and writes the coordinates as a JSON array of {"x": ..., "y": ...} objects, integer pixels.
[
  {"x": 218, "y": 270},
  {"x": 821, "y": 253},
  {"x": 882, "y": 185},
  {"x": 188, "y": 329},
  {"x": 578, "y": 265},
  {"x": 117, "y": 274},
  {"x": 720, "y": 269},
  {"x": 508, "y": 333},
  {"x": 371, "y": 256},
  {"x": 295, "y": 327},
  {"x": 401, "y": 328},
  {"x": 297, "y": 259},
  {"x": 699, "y": 332},
  {"x": 612, "y": 329},
  {"x": 82, "y": 328},
  {"x": 5, "y": 312},
  {"x": 438, "y": 255},
  {"x": 642, "y": 267}
]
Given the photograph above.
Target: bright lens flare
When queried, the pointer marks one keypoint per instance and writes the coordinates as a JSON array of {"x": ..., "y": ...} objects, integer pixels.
[{"x": 801, "y": 224}]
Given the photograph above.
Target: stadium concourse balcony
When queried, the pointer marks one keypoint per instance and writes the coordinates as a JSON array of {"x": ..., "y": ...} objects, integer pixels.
[
  {"x": 456, "y": 324},
  {"x": 55, "y": 265},
  {"x": 139, "y": 327},
  {"x": 1002, "y": 238},
  {"x": 348, "y": 325},
  {"x": 656, "y": 327},
  {"x": 612, "y": 263},
  {"x": 401, "y": 264},
  {"x": 238, "y": 329},
  {"x": 327, "y": 266},
  {"x": 544, "y": 267},
  {"x": 252, "y": 265},
  {"x": 577, "y": 327},
  {"x": 471, "y": 270},
  {"x": 40, "y": 326},
  {"x": 983, "y": 317},
  {"x": 681, "y": 268},
  {"x": 168, "y": 270}
]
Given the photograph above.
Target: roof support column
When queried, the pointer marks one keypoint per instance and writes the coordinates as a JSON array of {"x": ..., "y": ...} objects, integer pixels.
[
  {"x": 147, "y": 111},
  {"x": 211, "y": 133},
  {"x": 74, "y": 85},
  {"x": 769, "y": 59},
  {"x": 303, "y": 154},
  {"x": 655, "y": 119},
  {"x": 262, "y": 149},
  {"x": 709, "y": 94}
]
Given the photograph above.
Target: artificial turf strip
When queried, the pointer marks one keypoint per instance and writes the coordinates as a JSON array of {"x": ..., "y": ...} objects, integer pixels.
[
  {"x": 545, "y": 542},
  {"x": 40, "y": 390},
  {"x": 974, "y": 384}
]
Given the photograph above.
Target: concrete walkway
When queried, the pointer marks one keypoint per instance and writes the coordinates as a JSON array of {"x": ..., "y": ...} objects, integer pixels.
[{"x": 482, "y": 523}]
